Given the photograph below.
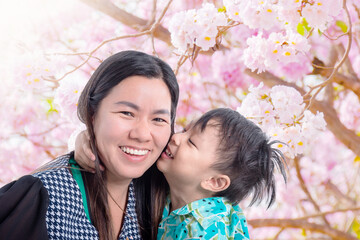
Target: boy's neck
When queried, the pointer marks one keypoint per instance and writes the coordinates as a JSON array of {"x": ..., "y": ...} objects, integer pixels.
[{"x": 185, "y": 195}]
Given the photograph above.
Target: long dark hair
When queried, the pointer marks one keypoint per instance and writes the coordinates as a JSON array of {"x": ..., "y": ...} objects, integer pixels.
[{"x": 110, "y": 73}]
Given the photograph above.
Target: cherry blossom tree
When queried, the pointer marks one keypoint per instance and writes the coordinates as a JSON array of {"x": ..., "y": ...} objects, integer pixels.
[{"x": 291, "y": 66}]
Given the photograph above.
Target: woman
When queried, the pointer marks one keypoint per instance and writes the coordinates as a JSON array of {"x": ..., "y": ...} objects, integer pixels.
[{"x": 129, "y": 107}]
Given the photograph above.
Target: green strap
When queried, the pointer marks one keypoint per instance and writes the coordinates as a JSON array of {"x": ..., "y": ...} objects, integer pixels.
[{"x": 75, "y": 170}]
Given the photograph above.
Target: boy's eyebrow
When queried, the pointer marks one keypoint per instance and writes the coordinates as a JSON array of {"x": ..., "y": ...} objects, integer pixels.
[
  {"x": 136, "y": 107},
  {"x": 190, "y": 124}
]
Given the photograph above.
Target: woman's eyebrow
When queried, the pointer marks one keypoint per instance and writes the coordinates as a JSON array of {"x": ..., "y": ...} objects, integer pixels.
[
  {"x": 129, "y": 104},
  {"x": 136, "y": 107},
  {"x": 162, "y": 111}
]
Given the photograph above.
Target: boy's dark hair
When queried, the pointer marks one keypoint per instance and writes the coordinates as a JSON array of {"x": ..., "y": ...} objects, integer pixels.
[{"x": 245, "y": 155}]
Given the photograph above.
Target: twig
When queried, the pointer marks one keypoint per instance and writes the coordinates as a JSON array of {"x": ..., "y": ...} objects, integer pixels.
[
  {"x": 301, "y": 224},
  {"x": 150, "y": 31},
  {"x": 321, "y": 67},
  {"x": 320, "y": 86},
  {"x": 278, "y": 234},
  {"x": 153, "y": 14},
  {"x": 329, "y": 185},
  {"x": 99, "y": 46},
  {"x": 305, "y": 189},
  {"x": 180, "y": 62}
]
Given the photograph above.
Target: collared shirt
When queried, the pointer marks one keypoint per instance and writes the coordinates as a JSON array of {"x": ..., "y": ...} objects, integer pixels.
[{"x": 208, "y": 218}]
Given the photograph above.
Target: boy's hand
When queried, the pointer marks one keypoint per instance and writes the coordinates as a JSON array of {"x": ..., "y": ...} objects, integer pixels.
[{"x": 83, "y": 154}]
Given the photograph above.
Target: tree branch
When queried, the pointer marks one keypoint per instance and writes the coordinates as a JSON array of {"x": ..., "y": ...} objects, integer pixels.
[
  {"x": 110, "y": 9},
  {"x": 346, "y": 136},
  {"x": 350, "y": 83},
  {"x": 301, "y": 224},
  {"x": 356, "y": 209}
]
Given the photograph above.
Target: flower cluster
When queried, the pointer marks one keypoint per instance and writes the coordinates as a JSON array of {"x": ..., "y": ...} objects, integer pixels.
[
  {"x": 266, "y": 14},
  {"x": 265, "y": 53},
  {"x": 320, "y": 12},
  {"x": 280, "y": 113},
  {"x": 253, "y": 13},
  {"x": 199, "y": 27},
  {"x": 67, "y": 97}
]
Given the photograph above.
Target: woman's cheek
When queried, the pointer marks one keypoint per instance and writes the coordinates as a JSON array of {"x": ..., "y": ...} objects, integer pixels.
[{"x": 164, "y": 137}]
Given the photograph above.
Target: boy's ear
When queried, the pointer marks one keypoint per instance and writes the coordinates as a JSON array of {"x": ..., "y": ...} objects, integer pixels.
[{"x": 216, "y": 183}]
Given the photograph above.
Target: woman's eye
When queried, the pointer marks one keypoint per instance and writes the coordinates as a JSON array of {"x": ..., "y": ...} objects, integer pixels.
[
  {"x": 159, "y": 120},
  {"x": 127, "y": 113}
]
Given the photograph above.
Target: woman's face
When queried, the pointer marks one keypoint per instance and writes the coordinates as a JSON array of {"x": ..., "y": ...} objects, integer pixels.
[{"x": 132, "y": 126}]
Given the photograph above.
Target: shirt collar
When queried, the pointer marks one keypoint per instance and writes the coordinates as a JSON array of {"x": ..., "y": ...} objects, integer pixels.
[{"x": 205, "y": 211}]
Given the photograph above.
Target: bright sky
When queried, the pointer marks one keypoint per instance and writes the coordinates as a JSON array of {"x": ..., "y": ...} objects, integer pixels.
[{"x": 18, "y": 18}]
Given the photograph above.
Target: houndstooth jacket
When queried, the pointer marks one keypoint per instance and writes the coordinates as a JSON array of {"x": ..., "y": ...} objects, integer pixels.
[{"x": 65, "y": 216}]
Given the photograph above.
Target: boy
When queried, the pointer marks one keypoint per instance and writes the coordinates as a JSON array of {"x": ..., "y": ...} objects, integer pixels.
[{"x": 210, "y": 168}]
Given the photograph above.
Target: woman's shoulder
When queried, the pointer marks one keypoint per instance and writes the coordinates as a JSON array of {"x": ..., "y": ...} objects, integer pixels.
[
  {"x": 24, "y": 203},
  {"x": 60, "y": 162},
  {"x": 20, "y": 188}
]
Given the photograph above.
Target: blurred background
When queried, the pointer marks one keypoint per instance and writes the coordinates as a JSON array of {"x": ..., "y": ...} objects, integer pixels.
[{"x": 226, "y": 54}]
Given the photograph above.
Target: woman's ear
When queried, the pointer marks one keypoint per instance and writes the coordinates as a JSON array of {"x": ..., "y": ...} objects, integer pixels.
[{"x": 216, "y": 183}]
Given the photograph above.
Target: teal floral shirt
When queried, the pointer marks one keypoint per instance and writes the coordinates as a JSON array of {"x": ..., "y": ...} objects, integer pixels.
[{"x": 208, "y": 218}]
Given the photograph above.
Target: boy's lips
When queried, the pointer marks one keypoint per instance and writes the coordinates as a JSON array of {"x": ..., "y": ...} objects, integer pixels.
[{"x": 168, "y": 153}]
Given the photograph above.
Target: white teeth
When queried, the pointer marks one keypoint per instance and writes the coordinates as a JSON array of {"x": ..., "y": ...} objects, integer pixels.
[
  {"x": 169, "y": 153},
  {"x": 134, "y": 151}
]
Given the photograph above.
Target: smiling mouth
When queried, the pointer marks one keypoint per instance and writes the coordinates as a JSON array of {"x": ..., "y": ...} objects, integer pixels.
[
  {"x": 168, "y": 153},
  {"x": 132, "y": 151}
]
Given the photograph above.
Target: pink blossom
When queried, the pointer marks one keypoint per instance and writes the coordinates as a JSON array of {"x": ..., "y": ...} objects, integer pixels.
[
  {"x": 196, "y": 27},
  {"x": 253, "y": 13},
  {"x": 229, "y": 68},
  {"x": 67, "y": 96},
  {"x": 321, "y": 12}
]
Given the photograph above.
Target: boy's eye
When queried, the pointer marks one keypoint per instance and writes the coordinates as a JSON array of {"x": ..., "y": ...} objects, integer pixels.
[{"x": 191, "y": 142}]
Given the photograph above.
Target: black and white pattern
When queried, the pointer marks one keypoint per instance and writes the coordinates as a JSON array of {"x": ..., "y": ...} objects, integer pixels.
[{"x": 65, "y": 217}]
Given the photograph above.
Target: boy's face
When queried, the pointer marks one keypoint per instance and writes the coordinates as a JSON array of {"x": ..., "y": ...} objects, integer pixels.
[{"x": 189, "y": 156}]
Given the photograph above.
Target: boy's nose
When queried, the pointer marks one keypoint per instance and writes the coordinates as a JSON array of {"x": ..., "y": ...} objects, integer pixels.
[{"x": 176, "y": 138}]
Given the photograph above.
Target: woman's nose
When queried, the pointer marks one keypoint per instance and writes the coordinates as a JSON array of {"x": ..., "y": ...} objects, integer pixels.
[{"x": 141, "y": 131}]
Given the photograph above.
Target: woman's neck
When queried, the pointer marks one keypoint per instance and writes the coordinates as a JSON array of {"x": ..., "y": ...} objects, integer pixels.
[
  {"x": 117, "y": 187},
  {"x": 117, "y": 199}
]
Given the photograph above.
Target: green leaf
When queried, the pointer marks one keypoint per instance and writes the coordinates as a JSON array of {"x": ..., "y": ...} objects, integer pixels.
[
  {"x": 222, "y": 9},
  {"x": 342, "y": 25},
  {"x": 301, "y": 29},
  {"x": 355, "y": 227},
  {"x": 51, "y": 109},
  {"x": 306, "y": 25},
  {"x": 320, "y": 32}
]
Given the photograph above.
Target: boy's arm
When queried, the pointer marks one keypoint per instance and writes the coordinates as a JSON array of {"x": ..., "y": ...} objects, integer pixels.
[{"x": 83, "y": 154}]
